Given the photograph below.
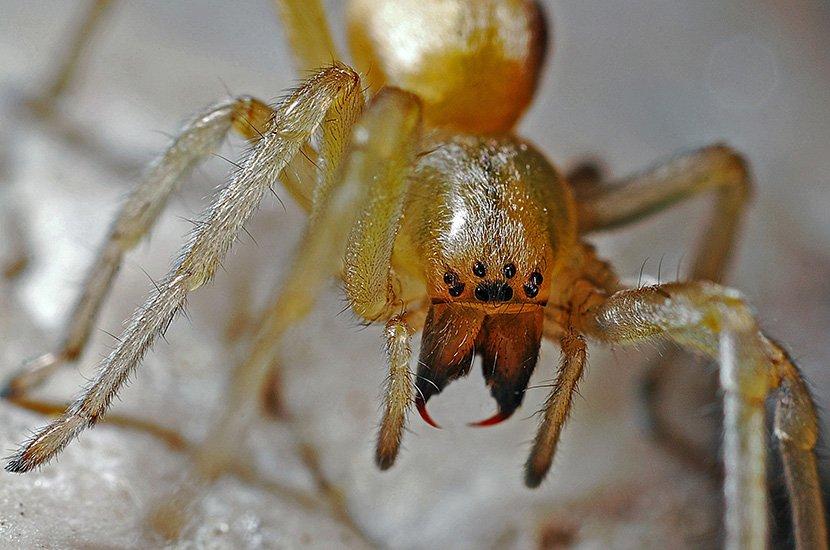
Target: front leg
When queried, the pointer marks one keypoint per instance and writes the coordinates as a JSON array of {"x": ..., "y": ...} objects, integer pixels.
[
  {"x": 707, "y": 318},
  {"x": 384, "y": 137},
  {"x": 328, "y": 93},
  {"x": 717, "y": 170},
  {"x": 319, "y": 256},
  {"x": 199, "y": 138},
  {"x": 557, "y": 408}
]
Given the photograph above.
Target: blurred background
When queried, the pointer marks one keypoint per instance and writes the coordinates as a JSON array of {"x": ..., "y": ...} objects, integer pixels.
[{"x": 628, "y": 83}]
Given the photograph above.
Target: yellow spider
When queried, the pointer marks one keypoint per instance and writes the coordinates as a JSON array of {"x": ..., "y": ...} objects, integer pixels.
[{"x": 438, "y": 217}]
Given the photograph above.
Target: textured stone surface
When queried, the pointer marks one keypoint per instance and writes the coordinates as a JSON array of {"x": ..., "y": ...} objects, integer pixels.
[{"x": 628, "y": 83}]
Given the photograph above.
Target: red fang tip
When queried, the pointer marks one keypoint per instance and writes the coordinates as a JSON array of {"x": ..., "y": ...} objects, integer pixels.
[
  {"x": 422, "y": 410},
  {"x": 497, "y": 418}
]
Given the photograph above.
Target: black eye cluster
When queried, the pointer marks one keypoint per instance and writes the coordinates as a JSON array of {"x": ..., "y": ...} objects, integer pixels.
[
  {"x": 501, "y": 292},
  {"x": 456, "y": 286},
  {"x": 531, "y": 288}
]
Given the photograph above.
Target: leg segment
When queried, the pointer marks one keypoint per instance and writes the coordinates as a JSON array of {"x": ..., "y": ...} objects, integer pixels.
[
  {"x": 557, "y": 408},
  {"x": 399, "y": 392},
  {"x": 608, "y": 205},
  {"x": 199, "y": 138},
  {"x": 322, "y": 97},
  {"x": 713, "y": 320},
  {"x": 797, "y": 428},
  {"x": 365, "y": 168},
  {"x": 716, "y": 168},
  {"x": 72, "y": 56},
  {"x": 304, "y": 23}
]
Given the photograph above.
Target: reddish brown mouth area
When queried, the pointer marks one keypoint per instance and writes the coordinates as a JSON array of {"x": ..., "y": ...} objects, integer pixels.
[{"x": 507, "y": 341}]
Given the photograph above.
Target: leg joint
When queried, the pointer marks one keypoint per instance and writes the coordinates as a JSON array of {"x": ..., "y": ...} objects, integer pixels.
[{"x": 734, "y": 167}]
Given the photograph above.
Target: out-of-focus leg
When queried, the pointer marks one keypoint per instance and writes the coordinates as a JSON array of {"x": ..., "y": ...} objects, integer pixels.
[
  {"x": 326, "y": 96},
  {"x": 717, "y": 169},
  {"x": 14, "y": 248},
  {"x": 716, "y": 321},
  {"x": 71, "y": 58},
  {"x": 797, "y": 429},
  {"x": 304, "y": 23},
  {"x": 197, "y": 140}
]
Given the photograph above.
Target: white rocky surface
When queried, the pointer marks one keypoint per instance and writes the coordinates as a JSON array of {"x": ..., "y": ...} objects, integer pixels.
[{"x": 629, "y": 82}]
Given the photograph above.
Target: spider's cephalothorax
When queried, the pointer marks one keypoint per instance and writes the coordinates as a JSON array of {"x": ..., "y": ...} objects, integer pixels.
[
  {"x": 437, "y": 216},
  {"x": 478, "y": 216},
  {"x": 477, "y": 231}
]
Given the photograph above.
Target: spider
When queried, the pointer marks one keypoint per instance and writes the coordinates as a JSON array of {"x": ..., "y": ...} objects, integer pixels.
[{"x": 439, "y": 218}]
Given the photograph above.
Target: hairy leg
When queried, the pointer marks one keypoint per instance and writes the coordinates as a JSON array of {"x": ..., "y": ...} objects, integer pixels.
[
  {"x": 320, "y": 252},
  {"x": 797, "y": 430},
  {"x": 319, "y": 99},
  {"x": 369, "y": 167},
  {"x": 716, "y": 321},
  {"x": 197, "y": 140},
  {"x": 557, "y": 409},
  {"x": 384, "y": 158},
  {"x": 717, "y": 169}
]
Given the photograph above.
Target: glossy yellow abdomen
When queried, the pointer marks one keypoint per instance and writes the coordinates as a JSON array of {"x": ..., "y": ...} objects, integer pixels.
[{"x": 474, "y": 63}]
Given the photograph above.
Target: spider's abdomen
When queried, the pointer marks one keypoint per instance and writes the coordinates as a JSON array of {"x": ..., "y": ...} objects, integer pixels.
[{"x": 475, "y": 64}]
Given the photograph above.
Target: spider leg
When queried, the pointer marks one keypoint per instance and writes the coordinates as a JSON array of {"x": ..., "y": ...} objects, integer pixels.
[
  {"x": 197, "y": 140},
  {"x": 369, "y": 169},
  {"x": 717, "y": 169},
  {"x": 324, "y": 96},
  {"x": 308, "y": 33},
  {"x": 14, "y": 246},
  {"x": 382, "y": 163},
  {"x": 372, "y": 165},
  {"x": 717, "y": 322},
  {"x": 557, "y": 408},
  {"x": 72, "y": 58},
  {"x": 797, "y": 429},
  {"x": 399, "y": 393},
  {"x": 53, "y": 408}
]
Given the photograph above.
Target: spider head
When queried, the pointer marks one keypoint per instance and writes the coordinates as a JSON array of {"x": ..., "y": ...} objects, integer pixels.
[
  {"x": 494, "y": 234},
  {"x": 488, "y": 298}
]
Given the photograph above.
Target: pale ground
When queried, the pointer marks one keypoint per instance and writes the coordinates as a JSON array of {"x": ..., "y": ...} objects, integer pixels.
[{"x": 629, "y": 82}]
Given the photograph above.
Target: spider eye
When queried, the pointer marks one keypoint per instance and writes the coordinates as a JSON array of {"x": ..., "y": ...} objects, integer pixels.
[
  {"x": 450, "y": 278},
  {"x": 531, "y": 290},
  {"x": 456, "y": 290},
  {"x": 510, "y": 270},
  {"x": 479, "y": 270},
  {"x": 536, "y": 278}
]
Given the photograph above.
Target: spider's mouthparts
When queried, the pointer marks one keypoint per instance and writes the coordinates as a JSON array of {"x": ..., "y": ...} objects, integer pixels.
[
  {"x": 497, "y": 418},
  {"x": 422, "y": 410}
]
